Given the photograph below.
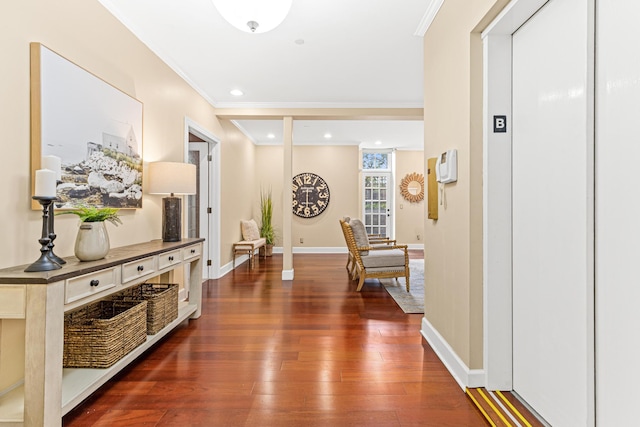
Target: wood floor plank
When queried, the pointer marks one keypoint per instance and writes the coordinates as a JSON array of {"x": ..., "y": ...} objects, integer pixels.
[{"x": 312, "y": 352}]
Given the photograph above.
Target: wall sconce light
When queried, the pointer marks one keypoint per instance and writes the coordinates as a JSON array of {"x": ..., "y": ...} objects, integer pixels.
[
  {"x": 253, "y": 16},
  {"x": 172, "y": 178}
]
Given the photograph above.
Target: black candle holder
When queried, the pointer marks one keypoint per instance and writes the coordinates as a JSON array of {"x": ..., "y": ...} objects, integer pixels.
[
  {"x": 52, "y": 236},
  {"x": 44, "y": 263}
]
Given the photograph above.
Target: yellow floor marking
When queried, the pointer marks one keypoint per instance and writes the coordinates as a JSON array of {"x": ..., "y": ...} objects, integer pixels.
[
  {"x": 503, "y": 408},
  {"x": 515, "y": 411},
  {"x": 504, "y": 420},
  {"x": 480, "y": 408}
]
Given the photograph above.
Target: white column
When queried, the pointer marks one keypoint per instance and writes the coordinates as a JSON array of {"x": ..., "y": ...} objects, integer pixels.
[{"x": 287, "y": 247}]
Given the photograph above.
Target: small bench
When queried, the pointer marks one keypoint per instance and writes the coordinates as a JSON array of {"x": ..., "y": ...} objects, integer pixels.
[
  {"x": 251, "y": 241},
  {"x": 248, "y": 247}
]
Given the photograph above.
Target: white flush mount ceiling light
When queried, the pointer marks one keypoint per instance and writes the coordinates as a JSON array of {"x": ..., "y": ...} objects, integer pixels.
[
  {"x": 236, "y": 92},
  {"x": 253, "y": 16}
]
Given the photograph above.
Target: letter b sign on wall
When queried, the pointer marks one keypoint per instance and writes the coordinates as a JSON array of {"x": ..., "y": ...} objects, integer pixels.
[{"x": 499, "y": 124}]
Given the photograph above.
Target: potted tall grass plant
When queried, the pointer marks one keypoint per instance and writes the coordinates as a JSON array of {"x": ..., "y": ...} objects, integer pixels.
[{"x": 266, "y": 228}]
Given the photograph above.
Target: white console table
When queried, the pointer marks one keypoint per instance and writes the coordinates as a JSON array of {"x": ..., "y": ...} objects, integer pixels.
[{"x": 42, "y": 298}]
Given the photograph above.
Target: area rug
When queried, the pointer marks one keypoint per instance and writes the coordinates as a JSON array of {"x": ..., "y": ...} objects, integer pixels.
[{"x": 412, "y": 301}]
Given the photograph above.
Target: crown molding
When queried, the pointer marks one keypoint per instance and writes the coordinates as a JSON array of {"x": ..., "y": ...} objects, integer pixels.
[{"x": 429, "y": 16}]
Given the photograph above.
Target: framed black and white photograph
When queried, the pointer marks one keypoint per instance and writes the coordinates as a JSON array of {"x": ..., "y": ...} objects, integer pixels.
[{"x": 93, "y": 127}]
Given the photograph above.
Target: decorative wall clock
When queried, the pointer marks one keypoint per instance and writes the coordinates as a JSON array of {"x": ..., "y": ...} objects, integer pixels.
[
  {"x": 310, "y": 195},
  {"x": 412, "y": 187}
]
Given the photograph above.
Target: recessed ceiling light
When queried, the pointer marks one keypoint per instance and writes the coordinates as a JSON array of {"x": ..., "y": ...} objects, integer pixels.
[
  {"x": 378, "y": 142},
  {"x": 236, "y": 92},
  {"x": 270, "y": 136},
  {"x": 327, "y": 135},
  {"x": 299, "y": 41}
]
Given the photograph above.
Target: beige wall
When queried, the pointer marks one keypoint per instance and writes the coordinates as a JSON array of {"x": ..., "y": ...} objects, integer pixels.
[
  {"x": 409, "y": 216},
  {"x": 338, "y": 165},
  {"x": 239, "y": 200},
  {"x": 86, "y": 34},
  {"x": 453, "y": 119}
]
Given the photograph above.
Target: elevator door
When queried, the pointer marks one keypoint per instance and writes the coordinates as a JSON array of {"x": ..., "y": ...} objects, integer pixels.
[{"x": 552, "y": 315}]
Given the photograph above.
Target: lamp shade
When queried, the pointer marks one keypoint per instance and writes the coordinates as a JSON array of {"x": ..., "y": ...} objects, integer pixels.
[
  {"x": 253, "y": 16},
  {"x": 172, "y": 178}
]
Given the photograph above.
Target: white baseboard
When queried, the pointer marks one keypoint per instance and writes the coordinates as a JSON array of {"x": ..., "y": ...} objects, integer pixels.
[
  {"x": 464, "y": 376},
  {"x": 228, "y": 267},
  {"x": 327, "y": 250},
  {"x": 287, "y": 274}
]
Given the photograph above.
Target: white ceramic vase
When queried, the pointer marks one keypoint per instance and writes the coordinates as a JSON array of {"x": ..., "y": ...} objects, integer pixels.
[{"x": 92, "y": 241}]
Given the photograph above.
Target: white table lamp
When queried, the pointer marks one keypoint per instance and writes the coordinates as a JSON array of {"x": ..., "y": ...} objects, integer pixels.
[{"x": 172, "y": 178}]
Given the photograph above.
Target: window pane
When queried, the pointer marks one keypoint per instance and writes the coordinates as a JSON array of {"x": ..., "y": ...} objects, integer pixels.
[
  {"x": 376, "y": 220},
  {"x": 383, "y": 194},
  {"x": 368, "y": 160},
  {"x": 382, "y": 161},
  {"x": 367, "y": 208},
  {"x": 375, "y": 207},
  {"x": 376, "y": 195},
  {"x": 367, "y": 194},
  {"x": 383, "y": 220}
]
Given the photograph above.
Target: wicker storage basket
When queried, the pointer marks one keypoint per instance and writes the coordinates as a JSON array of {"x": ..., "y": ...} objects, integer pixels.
[
  {"x": 162, "y": 303},
  {"x": 103, "y": 332}
]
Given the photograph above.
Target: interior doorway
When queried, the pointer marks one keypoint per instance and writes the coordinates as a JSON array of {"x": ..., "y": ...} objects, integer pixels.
[{"x": 203, "y": 208}]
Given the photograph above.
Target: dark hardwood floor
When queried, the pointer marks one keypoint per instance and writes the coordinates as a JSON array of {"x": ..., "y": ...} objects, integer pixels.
[{"x": 312, "y": 352}]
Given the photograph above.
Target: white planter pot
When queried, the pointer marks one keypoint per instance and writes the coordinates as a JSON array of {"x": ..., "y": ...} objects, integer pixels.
[{"x": 92, "y": 241}]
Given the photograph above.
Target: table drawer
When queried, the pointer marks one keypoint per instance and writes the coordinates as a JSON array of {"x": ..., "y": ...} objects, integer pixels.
[
  {"x": 191, "y": 252},
  {"x": 168, "y": 259},
  {"x": 139, "y": 268},
  {"x": 90, "y": 284}
]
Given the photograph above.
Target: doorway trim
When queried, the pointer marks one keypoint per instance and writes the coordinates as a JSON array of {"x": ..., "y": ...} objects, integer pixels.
[
  {"x": 497, "y": 256},
  {"x": 213, "y": 245}
]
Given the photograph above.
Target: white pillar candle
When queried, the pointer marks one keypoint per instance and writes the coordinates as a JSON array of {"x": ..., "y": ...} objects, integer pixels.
[
  {"x": 45, "y": 183},
  {"x": 53, "y": 163}
]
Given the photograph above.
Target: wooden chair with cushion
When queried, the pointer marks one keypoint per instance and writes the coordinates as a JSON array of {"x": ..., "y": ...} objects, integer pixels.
[
  {"x": 374, "y": 261},
  {"x": 374, "y": 239}
]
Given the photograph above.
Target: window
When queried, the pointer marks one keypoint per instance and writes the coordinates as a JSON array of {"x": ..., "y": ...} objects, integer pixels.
[
  {"x": 375, "y": 160},
  {"x": 376, "y": 186}
]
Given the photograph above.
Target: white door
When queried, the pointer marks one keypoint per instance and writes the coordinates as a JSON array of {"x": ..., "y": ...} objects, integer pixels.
[
  {"x": 377, "y": 203},
  {"x": 199, "y": 205},
  {"x": 552, "y": 215}
]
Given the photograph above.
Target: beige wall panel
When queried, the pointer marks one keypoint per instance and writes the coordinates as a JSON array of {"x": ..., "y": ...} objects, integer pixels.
[
  {"x": 409, "y": 217},
  {"x": 11, "y": 352},
  {"x": 239, "y": 199},
  {"x": 338, "y": 165},
  {"x": 268, "y": 167},
  {"x": 86, "y": 34},
  {"x": 453, "y": 119}
]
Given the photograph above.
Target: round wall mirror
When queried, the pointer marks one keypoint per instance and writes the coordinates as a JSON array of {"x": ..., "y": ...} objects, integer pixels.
[{"x": 412, "y": 187}]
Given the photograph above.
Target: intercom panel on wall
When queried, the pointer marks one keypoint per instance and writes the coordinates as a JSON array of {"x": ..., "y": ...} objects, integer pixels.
[
  {"x": 447, "y": 167},
  {"x": 432, "y": 189}
]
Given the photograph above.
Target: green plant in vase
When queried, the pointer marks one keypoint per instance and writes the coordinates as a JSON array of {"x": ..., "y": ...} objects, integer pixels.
[
  {"x": 95, "y": 214},
  {"x": 92, "y": 241},
  {"x": 266, "y": 228}
]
